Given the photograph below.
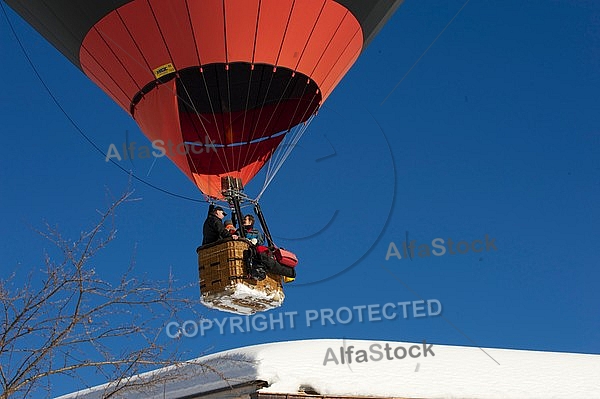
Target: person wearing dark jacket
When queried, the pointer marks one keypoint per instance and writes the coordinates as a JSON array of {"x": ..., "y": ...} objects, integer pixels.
[{"x": 214, "y": 229}]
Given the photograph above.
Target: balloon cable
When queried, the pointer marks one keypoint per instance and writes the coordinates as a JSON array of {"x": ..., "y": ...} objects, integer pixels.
[{"x": 285, "y": 154}]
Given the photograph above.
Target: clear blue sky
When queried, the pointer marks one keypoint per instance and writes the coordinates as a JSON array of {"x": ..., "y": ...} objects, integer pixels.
[{"x": 496, "y": 131}]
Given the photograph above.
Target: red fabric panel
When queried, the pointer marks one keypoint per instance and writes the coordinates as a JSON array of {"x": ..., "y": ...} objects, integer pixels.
[
  {"x": 103, "y": 80},
  {"x": 118, "y": 80},
  {"x": 271, "y": 28},
  {"x": 138, "y": 17},
  {"x": 131, "y": 60},
  {"x": 345, "y": 35},
  {"x": 158, "y": 117},
  {"x": 304, "y": 16},
  {"x": 330, "y": 19},
  {"x": 207, "y": 18},
  {"x": 339, "y": 69},
  {"x": 241, "y": 29},
  {"x": 173, "y": 20}
]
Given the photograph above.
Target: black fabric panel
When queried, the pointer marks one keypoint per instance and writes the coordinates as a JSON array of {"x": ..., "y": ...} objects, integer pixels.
[
  {"x": 64, "y": 23},
  {"x": 372, "y": 14},
  {"x": 239, "y": 88}
]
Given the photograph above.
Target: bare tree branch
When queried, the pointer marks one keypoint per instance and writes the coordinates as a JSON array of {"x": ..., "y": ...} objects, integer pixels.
[{"x": 68, "y": 318}]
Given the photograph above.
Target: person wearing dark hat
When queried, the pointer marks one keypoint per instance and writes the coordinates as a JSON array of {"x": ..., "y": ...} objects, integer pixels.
[{"x": 214, "y": 229}]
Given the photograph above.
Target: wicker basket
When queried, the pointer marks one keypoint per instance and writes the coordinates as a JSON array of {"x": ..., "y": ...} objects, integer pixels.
[{"x": 224, "y": 284}]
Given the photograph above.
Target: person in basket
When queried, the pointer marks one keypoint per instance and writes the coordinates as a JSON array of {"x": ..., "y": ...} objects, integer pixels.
[
  {"x": 252, "y": 234},
  {"x": 214, "y": 229}
]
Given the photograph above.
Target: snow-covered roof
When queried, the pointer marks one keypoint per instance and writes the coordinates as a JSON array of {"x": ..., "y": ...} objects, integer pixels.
[{"x": 378, "y": 368}]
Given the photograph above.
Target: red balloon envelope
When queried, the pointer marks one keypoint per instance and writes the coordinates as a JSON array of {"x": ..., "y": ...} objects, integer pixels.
[{"x": 218, "y": 82}]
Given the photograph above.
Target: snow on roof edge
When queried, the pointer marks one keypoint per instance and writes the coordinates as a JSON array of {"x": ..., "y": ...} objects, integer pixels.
[{"x": 382, "y": 368}]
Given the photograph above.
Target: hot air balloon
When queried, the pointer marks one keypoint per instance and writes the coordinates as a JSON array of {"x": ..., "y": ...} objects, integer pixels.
[{"x": 225, "y": 79}]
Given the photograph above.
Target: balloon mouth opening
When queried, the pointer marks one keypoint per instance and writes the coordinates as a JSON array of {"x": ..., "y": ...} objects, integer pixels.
[{"x": 255, "y": 100}]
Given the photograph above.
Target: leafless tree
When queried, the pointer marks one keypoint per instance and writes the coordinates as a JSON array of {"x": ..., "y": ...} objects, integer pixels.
[{"x": 67, "y": 319}]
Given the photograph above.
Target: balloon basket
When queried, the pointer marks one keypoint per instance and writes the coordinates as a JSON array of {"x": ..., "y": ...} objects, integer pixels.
[{"x": 224, "y": 284}]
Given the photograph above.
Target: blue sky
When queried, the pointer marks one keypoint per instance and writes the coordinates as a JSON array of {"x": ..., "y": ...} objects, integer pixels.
[{"x": 496, "y": 131}]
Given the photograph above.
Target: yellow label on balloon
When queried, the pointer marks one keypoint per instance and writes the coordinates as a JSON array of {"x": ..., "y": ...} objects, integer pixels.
[{"x": 163, "y": 70}]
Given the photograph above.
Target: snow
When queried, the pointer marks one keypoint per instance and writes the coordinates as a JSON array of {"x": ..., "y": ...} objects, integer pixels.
[
  {"x": 446, "y": 371},
  {"x": 242, "y": 299}
]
